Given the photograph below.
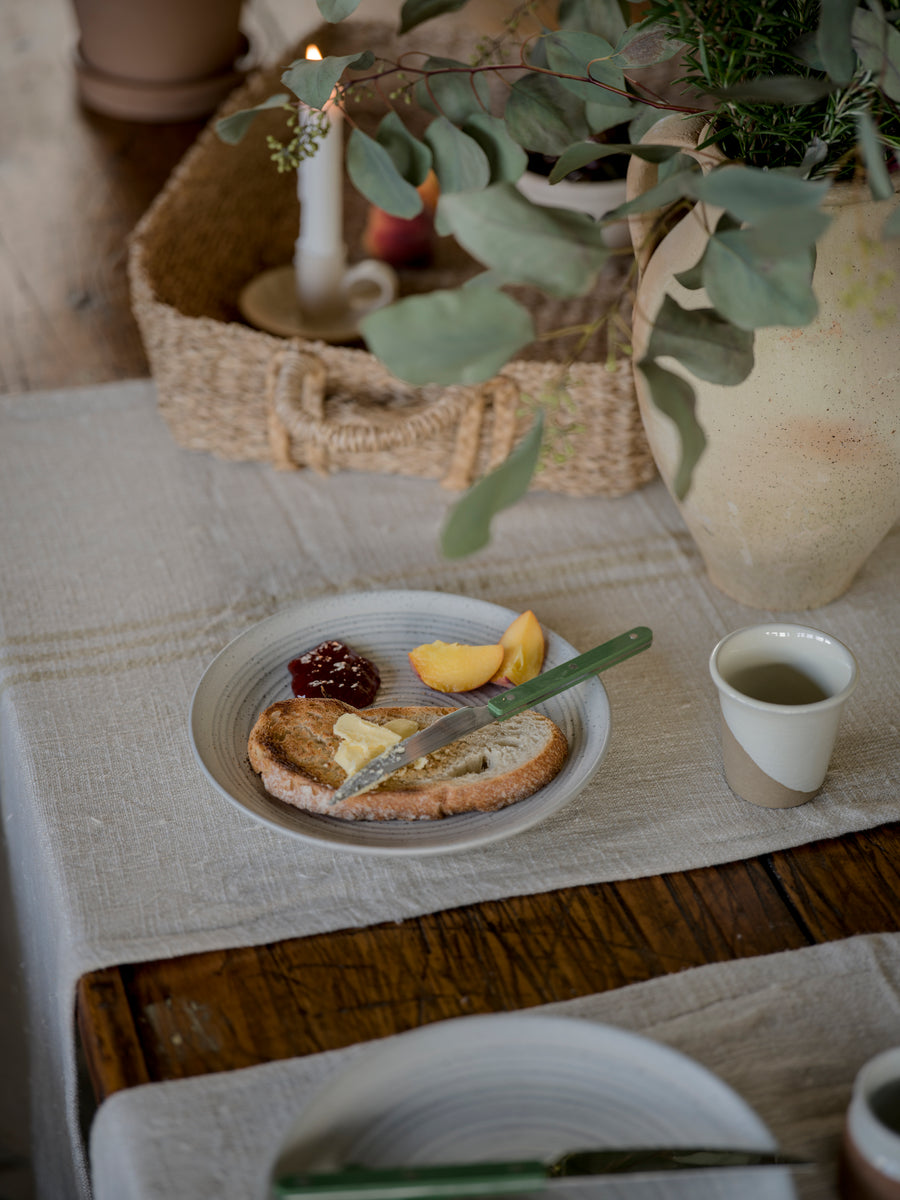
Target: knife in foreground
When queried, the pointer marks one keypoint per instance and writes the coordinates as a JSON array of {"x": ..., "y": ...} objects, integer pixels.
[
  {"x": 452, "y": 1181},
  {"x": 466, "y": 720}
]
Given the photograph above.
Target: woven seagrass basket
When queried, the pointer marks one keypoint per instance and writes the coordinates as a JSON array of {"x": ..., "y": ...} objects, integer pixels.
[{"x": 225, "y": 215}]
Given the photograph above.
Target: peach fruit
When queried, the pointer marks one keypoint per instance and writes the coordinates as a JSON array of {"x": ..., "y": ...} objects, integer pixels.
[
  {"x": 402, "y": 242},
  {"x": 523, "y": 651},
  {"x": 453, "y": 667}
]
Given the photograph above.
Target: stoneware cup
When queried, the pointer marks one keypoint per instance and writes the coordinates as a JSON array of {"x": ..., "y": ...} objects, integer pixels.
[
  {"x": 782, "y": 688},
  {"x": 870, "y": 1154}
]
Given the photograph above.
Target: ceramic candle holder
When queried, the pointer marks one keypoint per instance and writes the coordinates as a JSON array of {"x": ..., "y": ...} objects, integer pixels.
[
  {"x": 870, "y": 1155},
  {"x": 782, "y": 689}
]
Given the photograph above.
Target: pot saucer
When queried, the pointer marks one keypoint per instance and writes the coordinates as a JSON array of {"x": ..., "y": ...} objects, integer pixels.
[{"x": 158, "y": 101}]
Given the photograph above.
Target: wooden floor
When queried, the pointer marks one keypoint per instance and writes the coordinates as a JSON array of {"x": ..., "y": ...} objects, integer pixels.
[{"x": 72, "y": 186}]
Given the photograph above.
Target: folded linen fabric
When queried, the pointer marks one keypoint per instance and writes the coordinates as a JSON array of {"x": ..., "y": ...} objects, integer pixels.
[{"x": 788, "y": 1032}]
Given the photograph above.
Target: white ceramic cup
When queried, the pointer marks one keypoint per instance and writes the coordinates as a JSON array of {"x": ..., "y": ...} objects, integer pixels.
[
  {"x": 870, "y": 1160},
  {"x": 782, "y": 688}
]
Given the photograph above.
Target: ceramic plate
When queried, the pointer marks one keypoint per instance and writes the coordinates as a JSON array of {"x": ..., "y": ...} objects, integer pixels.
[
  {"x": 251, "y": 673},
  {"x": 526, "y": 1086}
]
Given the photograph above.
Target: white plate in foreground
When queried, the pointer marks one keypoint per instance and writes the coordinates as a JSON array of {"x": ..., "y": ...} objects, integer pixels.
[
  {"x": 252, "y": 672},
  {"x": 530, "y": 1086}
]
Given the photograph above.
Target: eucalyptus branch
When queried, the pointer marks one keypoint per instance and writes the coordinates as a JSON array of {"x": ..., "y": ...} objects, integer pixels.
[{"x": 428, "y": 73}]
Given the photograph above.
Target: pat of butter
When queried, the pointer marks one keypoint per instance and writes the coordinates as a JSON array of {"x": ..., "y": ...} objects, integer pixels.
[
  {"x": 361, "y": 740},
  {"x": 402, "y": 726}
]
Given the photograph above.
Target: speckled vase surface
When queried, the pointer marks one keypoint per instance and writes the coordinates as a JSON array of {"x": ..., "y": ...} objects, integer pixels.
[{"x": 800, "y": 478}]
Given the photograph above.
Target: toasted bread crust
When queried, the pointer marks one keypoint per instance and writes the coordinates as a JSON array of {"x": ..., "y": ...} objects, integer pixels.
[{"x": 292, "y": 748}]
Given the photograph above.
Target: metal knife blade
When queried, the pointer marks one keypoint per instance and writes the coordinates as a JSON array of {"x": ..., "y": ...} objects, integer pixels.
[
  {"x": 458, "y": 1180},
  {"x": 515, "y": 700}
]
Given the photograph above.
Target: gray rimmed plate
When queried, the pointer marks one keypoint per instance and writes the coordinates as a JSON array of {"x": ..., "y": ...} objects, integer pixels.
[
  {"x": 252, "y": 673},
  {"x": 529, "y": 1086}
]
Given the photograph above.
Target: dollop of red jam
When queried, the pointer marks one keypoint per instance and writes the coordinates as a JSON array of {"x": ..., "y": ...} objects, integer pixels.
[{"x": 334, "y": 671}]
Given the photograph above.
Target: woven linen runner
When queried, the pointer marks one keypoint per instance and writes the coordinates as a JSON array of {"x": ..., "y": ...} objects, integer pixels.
[
  {"x": 787, "y": 1031},
  {"x": 127, "y": 563}
]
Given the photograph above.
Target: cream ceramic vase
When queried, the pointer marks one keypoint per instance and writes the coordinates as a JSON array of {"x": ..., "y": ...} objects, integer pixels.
[{"x": 800, "y": 478}]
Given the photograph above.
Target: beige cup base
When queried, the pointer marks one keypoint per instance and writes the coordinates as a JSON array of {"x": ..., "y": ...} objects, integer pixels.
[
  {"x": 859, "y": 1180},
  {"x": 751, "y": 783}
]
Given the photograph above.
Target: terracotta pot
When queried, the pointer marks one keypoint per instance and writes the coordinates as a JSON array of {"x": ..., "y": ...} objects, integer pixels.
[
  {"x": 800, "y": 479},
  {"x": 158, "y": 60}
]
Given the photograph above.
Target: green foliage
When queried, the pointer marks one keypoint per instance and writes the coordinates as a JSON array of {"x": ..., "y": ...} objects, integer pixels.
[
  {"x": 411, "y": 157},
  {"x": 231, "y": 129},
  {"x": 337, "y": 10},
  {"x": 468, "y": 526},
  {"x": 553, "y": 248},
  {"x": 462, "y": 336},
  {"x": 313, "y": 80},
  {"x": 372, "y": 170},
  {"x": 787, "y": 72},
  {"x": 799, "y": 93}
]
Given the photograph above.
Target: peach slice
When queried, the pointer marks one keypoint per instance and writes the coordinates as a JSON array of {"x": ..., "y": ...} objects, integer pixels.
[
  {"x": 453, "y": 667},
  {"x": 523, "y": 651}
]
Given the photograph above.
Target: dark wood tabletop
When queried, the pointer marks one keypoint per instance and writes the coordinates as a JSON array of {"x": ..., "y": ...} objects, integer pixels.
[{"x": 73, "y": 185}]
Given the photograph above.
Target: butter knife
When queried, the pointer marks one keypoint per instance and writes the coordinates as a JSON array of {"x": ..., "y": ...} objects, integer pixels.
[
  {"x": 458, "y": 1180},
  {"x": 467, "y": 719}
]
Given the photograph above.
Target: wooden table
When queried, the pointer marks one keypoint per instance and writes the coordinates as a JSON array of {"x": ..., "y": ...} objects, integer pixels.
[{"x": 72, "y": 187}]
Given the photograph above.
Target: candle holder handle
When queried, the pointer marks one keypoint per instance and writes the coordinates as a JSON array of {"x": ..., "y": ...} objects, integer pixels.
[{"x": 368, "y": 285}]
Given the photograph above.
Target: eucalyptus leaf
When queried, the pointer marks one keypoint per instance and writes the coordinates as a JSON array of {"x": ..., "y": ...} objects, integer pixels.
[
  {"x": 784, "y": 232},
  {"x": 877, "y": 43},
  {"x": 572, "y": 52},
  {"x": 493, "y": 278},
  {"x": 544, "y": 117},
  {"x": 454, "y": 91},
  {"x": 645, "y": 46},
  {"x": 459, "y": 162},
  {"x": 582, "y": 153},
  {"x": 411, "y": 157},
  {"x": 373, "y": 173},
  {"x": 233, "y": 127},
  {"x": 679, "y": 185},
  {"x": 414, "y": 12},
  {"x": 815, "y": 152},
  {"x": 312, "y": 80},
  {"x": 873, "y": 155},
  {"x": 643, "y": 119},
  {"x": 608, "y": 111},
  {"x": 464, "y": 335},
  {"x": 603, "y": 17},
  {"x": 751, "y": 193},
  {"x": 468, "y": 526},
  {"x": 506, "y": 158},
  {"x": 337, "y": 10},
  {"x": 692, "y": 278},
  {"x": 753, "y": 291},
  {"x": 833, "y": 39},
  {"x": 702, "y": 341},
  {"x": 776, "y": 89},
  {"x": 806, "y": 48},
  {"x": 554, "y": 249},
  {"x": 675, "y": 397}
]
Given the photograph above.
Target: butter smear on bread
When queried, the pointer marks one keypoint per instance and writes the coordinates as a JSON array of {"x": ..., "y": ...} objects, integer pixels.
[{"x": 361, "y": 740}]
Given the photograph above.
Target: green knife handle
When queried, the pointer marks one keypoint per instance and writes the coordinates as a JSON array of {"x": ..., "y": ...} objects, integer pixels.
[
  {"x": 415, "y": 1183},
  {"x": 567, "y": 674}
]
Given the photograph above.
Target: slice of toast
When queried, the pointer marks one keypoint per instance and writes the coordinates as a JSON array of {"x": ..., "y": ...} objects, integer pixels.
[{"x": 293, "y": 744}]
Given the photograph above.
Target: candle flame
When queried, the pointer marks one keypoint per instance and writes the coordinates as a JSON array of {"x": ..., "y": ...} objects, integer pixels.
[{"x": 313, "y": 51}]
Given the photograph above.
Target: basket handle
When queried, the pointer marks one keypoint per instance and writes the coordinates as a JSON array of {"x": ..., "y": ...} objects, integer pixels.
[{"x": 297, "y": 386}]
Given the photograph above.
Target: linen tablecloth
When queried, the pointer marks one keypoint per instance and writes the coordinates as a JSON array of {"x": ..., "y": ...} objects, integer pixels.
[
  {"x": 127, "y": 563},
  {"x": 787, "y": 1031}
]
